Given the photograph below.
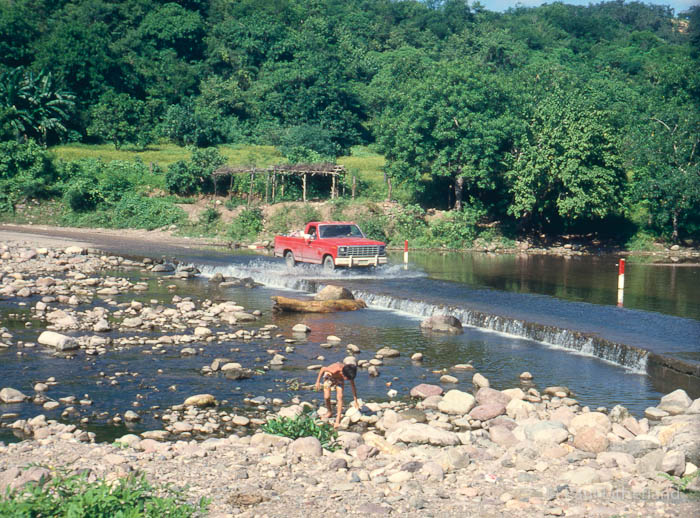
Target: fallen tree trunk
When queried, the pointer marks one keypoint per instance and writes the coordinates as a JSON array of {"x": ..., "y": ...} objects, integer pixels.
[{"x": 316, "y": 306}]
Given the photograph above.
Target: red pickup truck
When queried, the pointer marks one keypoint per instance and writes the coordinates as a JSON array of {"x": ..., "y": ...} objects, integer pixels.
[{"x": 330, "y": 243}]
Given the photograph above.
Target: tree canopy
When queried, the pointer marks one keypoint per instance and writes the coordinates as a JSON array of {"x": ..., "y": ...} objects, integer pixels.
[{"x": 548, "y": 118}]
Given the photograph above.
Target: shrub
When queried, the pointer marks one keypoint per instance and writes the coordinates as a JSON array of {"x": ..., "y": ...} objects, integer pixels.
[
  {"x": 25, "y": 172},
  {"x": 374, "y": 227},
  {"x": 409, "y": 223},
  {"x": 457, "y": 229},
  {"x": 247, "y": 225},
  {"x": 209, "y": 216},
  {"x": 74, "y": 496},
  {"x": 303, "y": 426},
  {"x": 194, "y": 176}
]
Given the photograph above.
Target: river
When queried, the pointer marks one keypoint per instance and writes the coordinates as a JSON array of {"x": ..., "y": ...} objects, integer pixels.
[{"x": 543, "y": 314}]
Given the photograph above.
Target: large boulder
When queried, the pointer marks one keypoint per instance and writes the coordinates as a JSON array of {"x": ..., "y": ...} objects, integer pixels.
[
  {"x": 61, "y": 320},
  {"x": 57, "y": 341},
  {"x": 332, "y": 292},
  {"x": 442, "y": 324},
  {"x": 456, "y": 402},
  {"x": 10, "y": 396},
  {"x": 419, "y": 433},
  {"x": 677, "y": 402},
  {"x": 519, "y": 409}
]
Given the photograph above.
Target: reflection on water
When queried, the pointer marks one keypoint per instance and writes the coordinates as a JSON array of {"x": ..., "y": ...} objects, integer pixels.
[{"x": 670, "y": 289}]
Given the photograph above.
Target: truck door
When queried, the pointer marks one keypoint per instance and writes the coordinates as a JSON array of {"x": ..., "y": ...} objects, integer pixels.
[{"x": 310, "y": 250}]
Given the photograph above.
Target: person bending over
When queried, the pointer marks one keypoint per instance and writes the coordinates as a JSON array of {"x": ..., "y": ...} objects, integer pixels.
[{"x": 334, "y": 376}]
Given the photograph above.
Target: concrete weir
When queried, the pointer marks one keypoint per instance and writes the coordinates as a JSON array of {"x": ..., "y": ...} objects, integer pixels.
[{"x": 667, "y": 373}]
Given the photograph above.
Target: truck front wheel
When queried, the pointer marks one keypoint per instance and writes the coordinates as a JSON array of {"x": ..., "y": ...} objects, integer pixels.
[
  {"x": 328, "y": 263},
  {"x": 289, "y": 259}
]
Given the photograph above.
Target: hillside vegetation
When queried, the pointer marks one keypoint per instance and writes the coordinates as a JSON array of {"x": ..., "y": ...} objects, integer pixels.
[{"x": 555, "y": 119}]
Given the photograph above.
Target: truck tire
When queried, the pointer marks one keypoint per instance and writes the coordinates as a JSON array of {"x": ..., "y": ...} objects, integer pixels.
[
  {"x": 328, "y": 263},
  {"x": 289, "y": 259}
]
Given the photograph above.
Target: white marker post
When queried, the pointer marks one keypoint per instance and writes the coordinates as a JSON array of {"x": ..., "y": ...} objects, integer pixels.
[
  {"x": 405, "y": 255},
  {"x": 620, "y": 282}
]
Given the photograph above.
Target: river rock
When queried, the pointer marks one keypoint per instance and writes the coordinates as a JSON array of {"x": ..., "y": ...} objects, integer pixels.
[
  {"x": 333, "y": 292},
  {"x": 200, "y": 400},
  {"x": 202, "y": 332},
  {"x": 446, "y": 378},
  {"x": 686, "y": 436},
  {"x": 266, "y": 440},
  {"x": 57, "y": 341},
  {"x": 655, "y": 414},
  {"x": 650, "y": 463},
  {"x": 306, "y": 447},
  {"x": 10, "y": 396},
  {"x": 673, "y": 463},
  {"x": 518, "y": 409},
  {"x": 635, "y": 447},
  {"x": 618, "y": 414},
  {"x": 590, "y": 419},
  {"x": 676, "y": 402},
  {"x": 61, "y": 320},
  {"x": 301, "y": 328},
  {"x": 546, "y": 432},
  {"x": 479, "y": 381},
  {"x": 419, "y": 433},
  {"x": 102, "y": 326},
  {"x": 488, "y": 395},
  {"x": 417, "y": 357},
  {"x": 581, "y": 476},
  {"x": 387, "y": 352},
  {"x": 456, "y": 402},
  {"x": 487, "y": 411},
  {"x": 130, "y": 416},
  {"x": 237, "y": 373},
  {"x": 425, "y": 390},
  {"x": 591, "y": 439},
  {"x": 502, "y": 436},
  {"x": 442, "y": 324}
]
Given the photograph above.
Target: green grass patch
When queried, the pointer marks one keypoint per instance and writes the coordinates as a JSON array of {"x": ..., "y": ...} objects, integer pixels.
[
  {"x": 164, "y": 155},
  {"x": 303, "y": 426},
  {"x": 73, "y": 496}
]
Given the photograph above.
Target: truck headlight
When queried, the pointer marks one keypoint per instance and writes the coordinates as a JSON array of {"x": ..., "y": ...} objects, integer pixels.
[
  {"x": 382, "y": 250},
  {"x": 342, "y": 250}
]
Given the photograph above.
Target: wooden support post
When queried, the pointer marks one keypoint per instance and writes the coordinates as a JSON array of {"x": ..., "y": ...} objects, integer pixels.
[
  {"x": 267, "y": 187},
  {"x": 274, "y": 186},
  {"x": 250, "y": 191},
  {"x": 354, "y": 186},
  {"x": 304, "y": 185},
  {"x": 214, "y": 178},
  {"x": 334, "y": 194}
]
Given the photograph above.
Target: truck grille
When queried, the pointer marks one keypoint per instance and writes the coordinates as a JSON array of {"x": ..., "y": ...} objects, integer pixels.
[{"x": 361, "y": 251}]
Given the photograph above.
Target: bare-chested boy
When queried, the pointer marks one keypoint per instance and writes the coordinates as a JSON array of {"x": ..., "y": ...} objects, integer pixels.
[{"x": 334, "y": 376}]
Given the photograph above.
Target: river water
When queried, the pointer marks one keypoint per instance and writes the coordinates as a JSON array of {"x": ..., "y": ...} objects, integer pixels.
[{"x": 541, "y": 314}]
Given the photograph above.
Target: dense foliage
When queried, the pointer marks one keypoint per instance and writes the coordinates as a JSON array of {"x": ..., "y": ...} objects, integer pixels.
[
  {"x": 556, "y": 118},
  {"x": 74, "y": 496}
]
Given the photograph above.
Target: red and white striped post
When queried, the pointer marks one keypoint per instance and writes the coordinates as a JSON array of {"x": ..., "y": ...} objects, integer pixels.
[
  {"x": 620, "y": 282},
  {"x": 405, "y": 254}
]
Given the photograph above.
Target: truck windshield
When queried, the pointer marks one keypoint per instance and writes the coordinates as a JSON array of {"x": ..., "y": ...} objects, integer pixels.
[{"x": 330, "y": 231}]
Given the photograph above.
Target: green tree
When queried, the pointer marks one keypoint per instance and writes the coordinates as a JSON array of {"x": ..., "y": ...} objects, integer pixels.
[
  {"x": 567, "y": 167},
  {"x": 121, "y": 119},
  {"x": 452, "y": 122},
  {"x": 666, "y": 178}
]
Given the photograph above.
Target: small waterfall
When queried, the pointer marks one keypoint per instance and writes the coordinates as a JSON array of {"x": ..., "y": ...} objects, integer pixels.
[{"x": 632, "y": 358}]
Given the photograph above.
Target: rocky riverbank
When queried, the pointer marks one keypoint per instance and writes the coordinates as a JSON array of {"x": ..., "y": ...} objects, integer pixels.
[{"x": 438, "y": 453}]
